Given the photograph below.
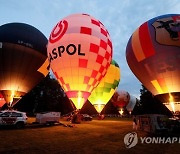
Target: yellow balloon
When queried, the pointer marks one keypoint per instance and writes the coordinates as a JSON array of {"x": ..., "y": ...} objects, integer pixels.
[{"x": 106, "y": 88}]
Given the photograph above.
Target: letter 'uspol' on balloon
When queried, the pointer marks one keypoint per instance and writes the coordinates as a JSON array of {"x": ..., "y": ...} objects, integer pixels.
[
  {"x": 80, "y": 52},
  {"x": 23, "y": 60},
  {"x": 153, "y": 54},
  {"x": 106, "y": 88}
]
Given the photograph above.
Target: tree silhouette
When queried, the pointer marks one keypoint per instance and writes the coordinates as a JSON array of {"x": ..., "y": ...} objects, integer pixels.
[
  {"x": 88, "y": 108},
  {"x": 149, "y": 104},
  {"x": 46, "y": 96}
]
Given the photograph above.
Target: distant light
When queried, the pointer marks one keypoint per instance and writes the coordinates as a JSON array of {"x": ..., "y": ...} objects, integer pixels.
[{"x": 121, "y": 112}]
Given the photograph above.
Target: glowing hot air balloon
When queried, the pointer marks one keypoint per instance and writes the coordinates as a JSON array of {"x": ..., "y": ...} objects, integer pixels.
[
  {"x": 106, "y": 88},
  {"x": 80, "y": 52},
  {"x": 23, "y": 60},
  {"x": 153, "y": 54},
  {"x": 120, "y": 99}
]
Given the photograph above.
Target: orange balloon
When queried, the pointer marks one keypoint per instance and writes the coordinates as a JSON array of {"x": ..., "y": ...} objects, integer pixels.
[{"x": 80, "y": 52}]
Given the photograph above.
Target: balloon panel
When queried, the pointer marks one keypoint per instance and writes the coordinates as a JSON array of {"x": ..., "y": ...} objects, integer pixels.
[
  {"x": 21, "y": 66},
  {"x": 80, "y": 52},
  {"x": 2, "y": 101},
  {"x": 153, "y": 54},
  {"x": 107, "y": 86}
]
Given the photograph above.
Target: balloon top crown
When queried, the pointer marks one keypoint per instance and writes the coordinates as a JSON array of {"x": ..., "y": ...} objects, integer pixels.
[
  {"x": 23, "y": 34},
  {"x": 79, "y": 23}
]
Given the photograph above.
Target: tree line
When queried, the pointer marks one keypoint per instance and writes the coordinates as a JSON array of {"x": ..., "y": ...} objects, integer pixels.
[{"x": 48, "y": 95}]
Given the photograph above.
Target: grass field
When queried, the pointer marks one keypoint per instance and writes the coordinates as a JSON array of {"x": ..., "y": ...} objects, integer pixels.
[{"x": 105, "y": 136}]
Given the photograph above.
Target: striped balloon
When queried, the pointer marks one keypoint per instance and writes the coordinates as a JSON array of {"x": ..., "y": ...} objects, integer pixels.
[{"x": 153, "y": 54}]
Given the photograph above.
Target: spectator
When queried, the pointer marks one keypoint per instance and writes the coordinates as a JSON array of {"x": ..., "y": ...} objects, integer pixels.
[{"x": 134, "y": 123}]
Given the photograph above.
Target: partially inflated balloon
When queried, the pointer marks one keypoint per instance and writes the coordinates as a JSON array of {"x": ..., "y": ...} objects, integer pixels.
[
  {"x": 80, "y": 52},
  {"x": 23, "y": 60},
  {"x": 132, "y": 102},
  {"x": 153, "y": 54},
  {"x": 106, "y": 88}
]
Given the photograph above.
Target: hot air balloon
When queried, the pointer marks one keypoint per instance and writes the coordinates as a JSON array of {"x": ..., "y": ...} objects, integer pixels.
[
  {"x": 106, "y": 88},
  {"x": 132, "y": 102},
  {"x": 80, "y": 52},
  {"x": 23, "y": 60},
  {"x": 153, "y": 55},
  {"x": 120, "y": 99}
]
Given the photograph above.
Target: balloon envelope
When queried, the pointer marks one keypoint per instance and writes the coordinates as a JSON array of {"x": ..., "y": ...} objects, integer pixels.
[
  {"x": 23, "y": 60},
  {"x": 131, "y": 104},
  {"x": 153, "y": 54},
  {"x": 120, "y": 99},
  {"x": 80, "y": 52},
  {"x": 106, "y": 88}
]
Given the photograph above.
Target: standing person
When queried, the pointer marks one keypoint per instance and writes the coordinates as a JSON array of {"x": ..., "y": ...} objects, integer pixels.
[
  {"x": 135, "y": 123},
  {"x": 76, "y": 118}
]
